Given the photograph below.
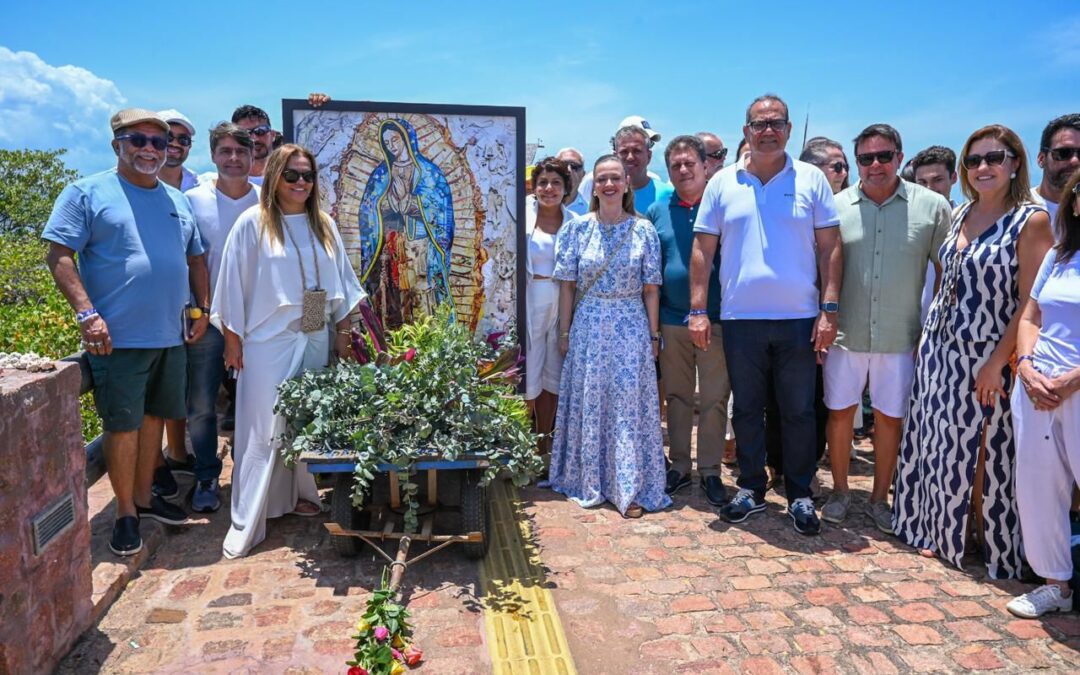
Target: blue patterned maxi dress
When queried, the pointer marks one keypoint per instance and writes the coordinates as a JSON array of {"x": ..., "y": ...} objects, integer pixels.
[
  {"x": 945, "y": 423},
  {"x": 608, "y": 445}
]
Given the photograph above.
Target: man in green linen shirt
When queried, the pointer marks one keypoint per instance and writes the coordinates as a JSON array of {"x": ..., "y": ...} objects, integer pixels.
[{"x": 890, "y": 230}]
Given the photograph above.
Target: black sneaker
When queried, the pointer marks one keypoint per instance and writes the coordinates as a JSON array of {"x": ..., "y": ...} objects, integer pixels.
[
  {"x": 802, "y": 513},
  {"x": 676, "y": 481},
  {"x": 228, "y": 421},
  {"x": 164, "y": 484},
  {"x": 162, "y": 511},
  {"x": 125, "y": 536},
  {"x": 184, "y": 468},
  {"x": 714, "y": 490},
  {"x": 741, "y": 506}
]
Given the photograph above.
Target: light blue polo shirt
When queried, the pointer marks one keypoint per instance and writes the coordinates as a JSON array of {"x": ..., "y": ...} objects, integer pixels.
[
  {"x": 768, "y": 253},
  {"x": 132, "y": 245}
]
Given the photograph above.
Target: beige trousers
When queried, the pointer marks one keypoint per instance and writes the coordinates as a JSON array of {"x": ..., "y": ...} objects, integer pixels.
[{"x": 684, "y": 368}]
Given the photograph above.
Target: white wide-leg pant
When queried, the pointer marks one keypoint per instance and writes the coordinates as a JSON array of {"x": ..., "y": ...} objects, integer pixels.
[{"x": 1047, "y": 465}]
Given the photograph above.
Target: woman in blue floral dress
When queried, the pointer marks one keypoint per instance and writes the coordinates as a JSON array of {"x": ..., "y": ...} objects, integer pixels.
[{"x": 608, "y": 444}]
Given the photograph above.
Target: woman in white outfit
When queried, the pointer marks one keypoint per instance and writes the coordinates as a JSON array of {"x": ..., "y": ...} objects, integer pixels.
[
  {"x": 544, "y": 215},
  {"x": 283, "y": 297},
  {"x": 1046, "y": 414}
]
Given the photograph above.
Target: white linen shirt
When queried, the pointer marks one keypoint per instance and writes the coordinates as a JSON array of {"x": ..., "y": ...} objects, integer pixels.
[{"x": 768, "y": 253}]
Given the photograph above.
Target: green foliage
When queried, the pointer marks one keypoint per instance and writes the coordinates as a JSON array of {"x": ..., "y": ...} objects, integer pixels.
[
  {"x": 30, "y": 181},
  {"x": 34, "y": 316},
  {"x": 449, "y": 400},
  {"x": 380, "y": 635}
]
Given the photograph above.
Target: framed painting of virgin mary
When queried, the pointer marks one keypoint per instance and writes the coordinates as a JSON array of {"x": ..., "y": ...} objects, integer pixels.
[{"x": 429, "y": 200}]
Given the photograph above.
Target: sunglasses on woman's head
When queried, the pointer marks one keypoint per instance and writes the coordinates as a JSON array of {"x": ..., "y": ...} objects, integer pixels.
[
  {"x": 139, "y": 140},
  {"x": 992, "y": 158},
  {"x": 292, "y": 176}
]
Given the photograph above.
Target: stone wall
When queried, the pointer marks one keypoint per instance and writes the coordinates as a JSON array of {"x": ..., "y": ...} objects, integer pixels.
[{"x": 44, "y": 597}]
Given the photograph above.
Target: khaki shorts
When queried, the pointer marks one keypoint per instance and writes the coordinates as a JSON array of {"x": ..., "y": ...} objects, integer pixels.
[{"x": 131, "y": 383}]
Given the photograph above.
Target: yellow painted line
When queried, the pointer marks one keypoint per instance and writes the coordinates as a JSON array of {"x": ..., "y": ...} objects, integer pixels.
[{"x": 524, "y": 633}]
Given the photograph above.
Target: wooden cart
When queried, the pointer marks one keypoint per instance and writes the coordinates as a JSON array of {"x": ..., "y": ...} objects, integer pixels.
[{"x": 380, "y": 519}]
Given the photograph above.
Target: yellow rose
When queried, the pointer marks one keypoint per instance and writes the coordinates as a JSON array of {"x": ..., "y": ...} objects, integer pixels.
[
  {"x": 396, "y": 668},
  {"x": 398, "y": 642},
  {"x": 362, "y": 626}
]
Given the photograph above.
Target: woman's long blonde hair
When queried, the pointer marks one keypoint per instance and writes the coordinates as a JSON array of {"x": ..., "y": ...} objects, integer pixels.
[{"x": 270, "y": 215}]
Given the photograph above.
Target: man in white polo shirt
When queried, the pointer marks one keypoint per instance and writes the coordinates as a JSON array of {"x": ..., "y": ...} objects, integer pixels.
[
  {"x": 776, "y": 221},
  {"x": 891, "y": 231}
]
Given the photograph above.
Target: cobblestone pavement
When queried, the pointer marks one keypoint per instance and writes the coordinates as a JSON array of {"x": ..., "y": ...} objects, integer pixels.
[
  {"x": 677, "y": 591},
  {"x": 682, "y": 591},
  {"x": 287, "y": 608}
]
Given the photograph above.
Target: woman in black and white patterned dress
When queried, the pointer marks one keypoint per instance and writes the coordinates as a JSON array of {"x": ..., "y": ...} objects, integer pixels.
[{"x": 957, "y": 453}]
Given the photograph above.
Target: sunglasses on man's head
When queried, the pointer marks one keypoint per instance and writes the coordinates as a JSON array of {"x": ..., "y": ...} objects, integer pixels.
[
  {"x": 1064, "y": 154},
  {"x": 182, "y": 139},
  {"x": 260, "y": 130},
  {"x": 883, "y": 157},
  {"x": 992, "y": 158},
  {"x": 292, "y": 176},
  {"x": 718, "y": 155},
  {"x": 139, "y": 140}
]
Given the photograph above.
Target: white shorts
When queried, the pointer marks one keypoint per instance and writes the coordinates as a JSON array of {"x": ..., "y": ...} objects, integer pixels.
[
  {"x": 543, "y": 361},
  {"x": 890, "y": 375}
]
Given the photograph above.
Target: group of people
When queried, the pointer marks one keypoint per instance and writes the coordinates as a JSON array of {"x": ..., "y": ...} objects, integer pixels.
[
  {"x": 774, "y": 288},
  {"x": 180, "y": 282},
  {"x": 799, "y": 291}
]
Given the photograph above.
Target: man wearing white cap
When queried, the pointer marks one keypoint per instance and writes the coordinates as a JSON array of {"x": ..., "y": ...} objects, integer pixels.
[
  {"x": 181, "y": 131},
  {"x": 633, "y": 142},
  {"x": 140, "y": 257}
]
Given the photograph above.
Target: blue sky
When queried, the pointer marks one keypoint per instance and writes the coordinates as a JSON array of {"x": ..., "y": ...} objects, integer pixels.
[{"x": 935, "y": 70}]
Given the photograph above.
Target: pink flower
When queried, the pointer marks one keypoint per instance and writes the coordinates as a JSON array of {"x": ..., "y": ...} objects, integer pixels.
[
  {"x": 413, "y": 655},
  {"x": 381, "y": 633},
  {"x": 493, "y": 338},
  {"x": 410, "y": 355},
  {"x": 396, "y": 654}
]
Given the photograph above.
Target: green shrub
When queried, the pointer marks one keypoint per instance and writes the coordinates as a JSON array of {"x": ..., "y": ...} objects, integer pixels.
[{"x": 34, "y": 316}]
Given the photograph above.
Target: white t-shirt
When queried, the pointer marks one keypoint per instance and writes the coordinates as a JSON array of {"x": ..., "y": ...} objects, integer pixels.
[
  {"x": 212, "y": 176},
  {"x": 542, "y": 252},
  {"x": 768, "y": 252},
  {"x": 1051, "y": 207},
  {"x": 1057, "y": 290},
  {"x": 215, "y": 215}
]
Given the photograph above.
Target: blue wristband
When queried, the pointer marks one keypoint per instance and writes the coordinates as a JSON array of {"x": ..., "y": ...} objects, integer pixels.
[
  {"x": 695, "y": 312},
  {"x": 86, "y": 315}
]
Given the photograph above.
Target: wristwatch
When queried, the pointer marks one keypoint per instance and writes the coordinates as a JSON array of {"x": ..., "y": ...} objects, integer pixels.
[{"x": 830, "y": 307}]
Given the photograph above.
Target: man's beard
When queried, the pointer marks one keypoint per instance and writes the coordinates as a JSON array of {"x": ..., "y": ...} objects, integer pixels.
[{"x": 1059, "y": 178}]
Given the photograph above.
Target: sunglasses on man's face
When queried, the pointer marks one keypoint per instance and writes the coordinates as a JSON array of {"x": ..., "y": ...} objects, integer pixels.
[
  {"x": 992, "y": 158},
  {"x": 182, "y": 139},
  {"x": 139, "y": 140},
  {"x": 883, "y": 157},
  {"x": 719, "y": 155},
  {"x": 759, "y": 126},
  {"x": 260, "y": 130},
  {"x": 1064, "y": 154},
  {"x": 574, "y": 166},
  {"x": 837, "y": 167},
  {"x": 292, "y": 176}
]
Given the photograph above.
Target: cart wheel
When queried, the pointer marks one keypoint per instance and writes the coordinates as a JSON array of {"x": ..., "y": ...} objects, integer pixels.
[
  {"x": 347, "y": 516},
  {"x": 475, "y": 512}
]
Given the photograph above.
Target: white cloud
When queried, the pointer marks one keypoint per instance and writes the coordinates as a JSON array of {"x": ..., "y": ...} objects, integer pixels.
[
  {"x": 44, "y": 106},
  {"x": 1061, "y": 44}
]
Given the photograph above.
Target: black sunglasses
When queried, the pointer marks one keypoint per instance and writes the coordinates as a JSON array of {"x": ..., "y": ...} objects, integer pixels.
[
  {"x": 260, "y": 130},
  {"x": 992, "y": 158},
  {"x": 139, "y": 140},
  {"x": 183, "y": 139},
  {"x": 883, "y": 157},
  {"x": 758, "y": 126},
  {"x": 574, "y": 166},
  {"x": 1064, "y": 154},
  {"x": 718, "y": 155},
  {"x": 292, "y": 176},
  {"x": 837, "y": 167}
]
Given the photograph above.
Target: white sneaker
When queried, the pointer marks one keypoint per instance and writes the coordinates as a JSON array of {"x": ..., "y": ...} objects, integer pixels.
[{"x": 1040, "y": 601}]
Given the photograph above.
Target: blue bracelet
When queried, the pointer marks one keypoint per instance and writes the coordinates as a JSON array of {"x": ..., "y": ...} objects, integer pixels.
[
  {"x": 86, "y": 315},
  {"x": 695, "y": 312}
]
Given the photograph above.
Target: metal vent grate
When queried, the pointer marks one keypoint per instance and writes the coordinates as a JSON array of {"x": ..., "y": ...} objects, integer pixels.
[{"x": 52, "y": 522}]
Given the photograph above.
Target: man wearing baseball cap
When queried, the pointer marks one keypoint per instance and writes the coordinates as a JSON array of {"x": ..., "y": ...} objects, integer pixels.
[
  {"x": 181, "y": 132},
  {"x": 140, "y": 255},
  {"x": 632, "y": 142}
]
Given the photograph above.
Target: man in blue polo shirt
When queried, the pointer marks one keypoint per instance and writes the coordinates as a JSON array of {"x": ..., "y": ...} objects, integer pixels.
[
  {"x": 683, "y": 365},
  {"x": 138, "y": 251},
  {"x": 776, "y": 221}
]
